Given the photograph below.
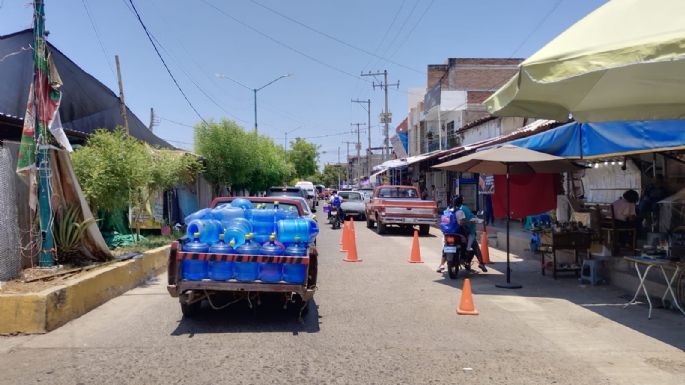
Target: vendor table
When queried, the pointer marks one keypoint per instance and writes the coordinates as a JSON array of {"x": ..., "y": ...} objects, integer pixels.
[
  {"x": 663, "y": 265},
  {"x": 578, "y": 241}
]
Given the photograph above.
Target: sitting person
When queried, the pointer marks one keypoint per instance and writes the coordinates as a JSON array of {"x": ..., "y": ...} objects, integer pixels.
[{"x": 624, "y": 209}]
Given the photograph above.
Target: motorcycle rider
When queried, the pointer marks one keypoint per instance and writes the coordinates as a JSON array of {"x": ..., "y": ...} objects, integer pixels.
[
  {"x": 453, "y": 222},
  {"x": 472, "y": 243},
  {"x": 336, "y": 201}
]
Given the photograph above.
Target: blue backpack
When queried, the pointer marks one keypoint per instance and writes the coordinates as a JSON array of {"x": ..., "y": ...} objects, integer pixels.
[
  {"x": 448, "y": 222},
  {"x": 336, "y": 201}
]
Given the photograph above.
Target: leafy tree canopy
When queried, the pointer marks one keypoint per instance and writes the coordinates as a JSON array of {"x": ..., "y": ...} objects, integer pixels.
[{"x": 303, "y": 156}]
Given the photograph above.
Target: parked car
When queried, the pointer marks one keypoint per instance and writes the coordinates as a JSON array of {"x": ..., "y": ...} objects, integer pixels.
[
  {"x": 311, "y": 192},
  {"x": 290, "y": 191},
  {"x": 353, "y": 204}
]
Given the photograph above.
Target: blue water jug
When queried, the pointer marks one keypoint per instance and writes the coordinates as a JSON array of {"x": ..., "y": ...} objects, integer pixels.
[
  {"x": 289, "y": 229},
  {"x": 313, "y": 229},
  {"x": 243, "y": 203},
  {"x": 209, "y": 230},
  {"x": 194, "y": 269},
  {"x": 220, "y": 270},
  {"x": 236, "y": 230},
  {"x": 263, "y": 224},
  {"x": 271, "y": 272},
  {"x": 225, "y": 213},
  {"x": 296, "y": 249},
  {"x": 250, "y": 247},
  {"x": 246, "y": 271},
  {"x": 295, "y": 272},
  {"x": 200, "y": 214}
]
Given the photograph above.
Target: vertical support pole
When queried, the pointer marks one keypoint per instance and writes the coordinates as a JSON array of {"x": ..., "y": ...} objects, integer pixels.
[
  {"x": 255, "y": 109},
  {"x": 45, "y": 256},
  {"x": 368, "y": 150},
  {"x": 122, "y": 103},
  {"x": 386, "y": 153}
]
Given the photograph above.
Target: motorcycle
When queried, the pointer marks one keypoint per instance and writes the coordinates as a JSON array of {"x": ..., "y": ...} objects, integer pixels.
[
  {"x": 453, "y": 250},
  {"x": 334, "y": 217}
]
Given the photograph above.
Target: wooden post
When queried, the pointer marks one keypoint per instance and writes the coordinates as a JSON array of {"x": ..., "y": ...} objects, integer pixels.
[{"x": 122, "y": 103}]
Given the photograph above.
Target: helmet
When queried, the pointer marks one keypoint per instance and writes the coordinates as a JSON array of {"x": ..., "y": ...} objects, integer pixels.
[{"x": 458, "y": 200}]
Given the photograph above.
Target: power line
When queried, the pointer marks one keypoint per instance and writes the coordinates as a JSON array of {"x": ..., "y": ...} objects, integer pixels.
[
  {"x": 97, "y": 36},
  {"x": 312, "y": 58},
  {"x": 164, "y": 62},
  {"x": 338, "y": 40},
  {"x": 404, "y": 23},
  {"x": 385, "y": 35},
  {"x": 411, "y": 31},
  {"x": 532, "y": 32},
  {"x": 175, "y": 122}
]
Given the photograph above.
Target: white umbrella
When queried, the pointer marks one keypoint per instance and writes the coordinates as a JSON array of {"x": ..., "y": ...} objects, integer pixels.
[{"x": 624, "y": 61}]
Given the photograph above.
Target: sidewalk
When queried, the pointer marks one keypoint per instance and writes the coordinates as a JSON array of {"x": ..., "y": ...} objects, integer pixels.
[{"x": 667, "y": 326}]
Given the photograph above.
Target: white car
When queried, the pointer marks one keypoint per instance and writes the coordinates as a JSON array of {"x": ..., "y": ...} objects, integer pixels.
[{"x": 311, "y": 192}]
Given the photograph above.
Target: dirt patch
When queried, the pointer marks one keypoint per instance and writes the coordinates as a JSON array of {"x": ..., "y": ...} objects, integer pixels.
[{"x": 33, "y": 280}]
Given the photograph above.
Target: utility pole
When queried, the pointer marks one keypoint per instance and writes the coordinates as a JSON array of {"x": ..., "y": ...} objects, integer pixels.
[
  {"x": 153, "y": 119},
  {"x": 122, "y": 103},
  {"x": 339, "y": 166},
  {"x": 347, "y": 161},
  {"x": 368, "y": 126},
  {"x": 385, "y": 117},
  {"x": 358, "y": 145}
]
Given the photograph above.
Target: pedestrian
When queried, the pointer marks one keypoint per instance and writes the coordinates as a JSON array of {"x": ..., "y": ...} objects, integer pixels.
[{"x": 489, "y": 211}]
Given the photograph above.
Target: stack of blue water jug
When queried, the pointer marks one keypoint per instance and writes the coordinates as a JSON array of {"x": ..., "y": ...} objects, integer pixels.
[{"x": 241, "y": 228}]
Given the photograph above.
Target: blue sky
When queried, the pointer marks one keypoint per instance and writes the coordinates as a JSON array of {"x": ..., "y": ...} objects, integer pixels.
[{"x": 199, "y": 41}]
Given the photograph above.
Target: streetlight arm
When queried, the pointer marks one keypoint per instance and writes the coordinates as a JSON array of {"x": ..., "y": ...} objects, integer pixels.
[{"x": 272, "y": 82}]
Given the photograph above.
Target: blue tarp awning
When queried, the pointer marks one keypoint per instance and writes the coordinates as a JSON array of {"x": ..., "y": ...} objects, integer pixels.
[{"x": 597, "y": 140}]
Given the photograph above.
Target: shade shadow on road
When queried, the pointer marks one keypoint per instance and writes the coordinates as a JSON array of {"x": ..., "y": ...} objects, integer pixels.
[
  {"x": 269, "y": 317},
  {"x": 666, "y": 325}
]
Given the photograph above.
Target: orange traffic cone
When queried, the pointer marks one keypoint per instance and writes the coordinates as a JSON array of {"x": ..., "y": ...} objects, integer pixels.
[
  {"x": 466, "y": 306},
  {"x": 484, "y": 250},
  {"x": 344, "y": 237},
  {"x": 415, "y": 256},
  {"x": 351, "y": 247}
]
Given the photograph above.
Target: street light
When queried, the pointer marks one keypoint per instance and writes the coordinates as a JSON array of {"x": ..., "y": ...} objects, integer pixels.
[
  {"x": 254, "y": 91},
  {"x": 285, "y": 140}
]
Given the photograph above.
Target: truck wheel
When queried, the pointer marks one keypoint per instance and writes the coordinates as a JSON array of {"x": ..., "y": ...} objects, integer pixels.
[
  {"x": 190, "y": 310},
  {"x": 424, "y": 230},
  {"x": 380, "y": 227},
  {"x": 369, "y": 223}
]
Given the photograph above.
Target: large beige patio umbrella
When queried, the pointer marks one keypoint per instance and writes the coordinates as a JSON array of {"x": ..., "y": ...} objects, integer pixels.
[
  {"x": 506, "y": 160},
  {"x": 624, "y": 61}
]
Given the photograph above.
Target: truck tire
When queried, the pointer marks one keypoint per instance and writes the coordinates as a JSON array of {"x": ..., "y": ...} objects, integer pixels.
[
  {"x": 191, "y": 310},
  {"x": 424, "y": 230},
  {"x": 380, "y": 227},
  {"x": 369, "y": 223}
]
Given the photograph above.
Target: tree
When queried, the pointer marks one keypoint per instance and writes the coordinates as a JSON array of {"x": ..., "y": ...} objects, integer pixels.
[
  {"x": 303, "y": 156},
  {"x": 240, "y": 160},
  {"x": 269, "y": 166},
  {"x": 116, "y": 170},
  {"x": 332, "y": 174},
  {"x": 110, "y": 167},
  {"x": 225, "y": 147}
]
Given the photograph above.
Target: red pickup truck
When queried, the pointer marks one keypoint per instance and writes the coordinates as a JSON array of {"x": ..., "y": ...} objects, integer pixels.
[
  {"x": 192, "y": 293},
  {"x": 400, "y": 205}
]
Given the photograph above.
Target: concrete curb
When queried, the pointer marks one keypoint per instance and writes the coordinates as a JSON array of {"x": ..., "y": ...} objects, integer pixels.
[{"x": 47, "y": 310}]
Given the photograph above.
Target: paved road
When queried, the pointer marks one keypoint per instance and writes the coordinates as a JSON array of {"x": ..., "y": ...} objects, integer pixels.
[{"x": 381, "y": 321}]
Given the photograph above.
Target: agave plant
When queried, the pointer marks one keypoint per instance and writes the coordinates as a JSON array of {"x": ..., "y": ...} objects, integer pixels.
[{"x": 69, "y": 231}]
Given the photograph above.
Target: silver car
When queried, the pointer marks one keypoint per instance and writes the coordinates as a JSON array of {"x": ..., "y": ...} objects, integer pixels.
[{"x": 354, "y": 204}]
